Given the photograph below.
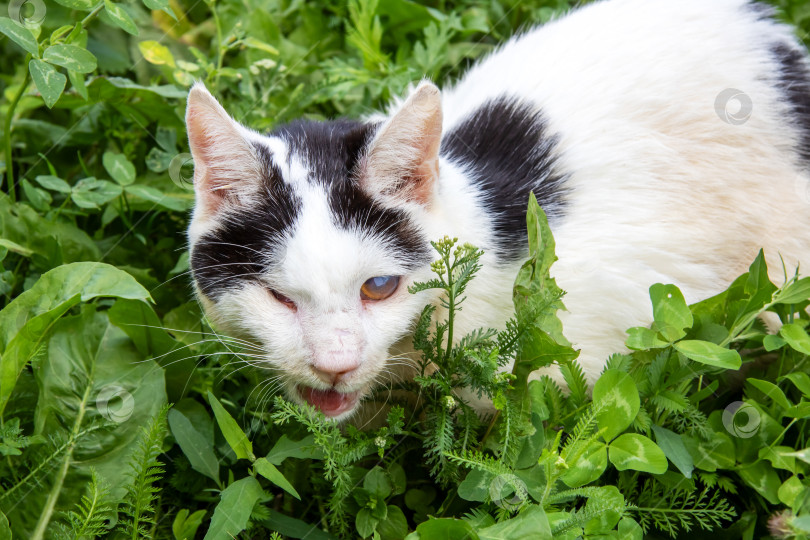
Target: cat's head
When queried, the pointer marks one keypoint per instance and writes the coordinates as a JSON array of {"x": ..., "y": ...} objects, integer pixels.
[{"x": 305, "y": 240}]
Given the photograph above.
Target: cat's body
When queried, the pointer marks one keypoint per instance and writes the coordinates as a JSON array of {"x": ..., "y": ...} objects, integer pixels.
[{"x": 615, "y": 116}]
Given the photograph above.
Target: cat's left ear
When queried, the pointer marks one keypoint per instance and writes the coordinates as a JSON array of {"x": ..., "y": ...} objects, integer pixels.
[
  {"x": 226, "y": 167},
  {"x": 402, "y": 162}
]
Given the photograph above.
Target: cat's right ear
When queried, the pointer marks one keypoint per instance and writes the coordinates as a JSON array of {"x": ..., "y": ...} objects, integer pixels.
[{"x": 225, "y": 164}]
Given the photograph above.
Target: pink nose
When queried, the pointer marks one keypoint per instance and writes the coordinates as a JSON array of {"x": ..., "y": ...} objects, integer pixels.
[{"x": 331, "y": 377}]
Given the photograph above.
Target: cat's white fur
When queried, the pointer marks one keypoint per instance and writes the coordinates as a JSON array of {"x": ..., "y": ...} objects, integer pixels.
[{"x": 660, "y": 189}]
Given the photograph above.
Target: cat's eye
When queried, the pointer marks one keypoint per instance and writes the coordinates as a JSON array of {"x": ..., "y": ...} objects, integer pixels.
[
  {"x": 379, "y": 288},
  {"x": 286, "y": 300}
]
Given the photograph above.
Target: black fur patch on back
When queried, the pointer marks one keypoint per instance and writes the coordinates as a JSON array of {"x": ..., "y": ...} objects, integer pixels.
[
  {"x": 331, "y": 151},
  {"x": 247, "y": 240},
  {"x": 794, "y": 82},
  {"x": 504, "y": 147}
]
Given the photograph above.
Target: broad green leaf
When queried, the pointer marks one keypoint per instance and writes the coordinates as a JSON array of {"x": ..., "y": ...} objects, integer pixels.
[
  {"x": 92, "y": 193},
  {"x": 14, "y": 247},
  {"x": 536, "y": 296},
  {"x": 773, "y": 342},
  {"x": 232, "y": 513},
  {"x": 254, "y": 43},
  {"x": 394, "y": 526},
  {"x": 119, "y": 168},
  {"x": 49, "y": 82},
  {"x": 5, "y": 530},
  {"x": 184, "y": 526},
  {"x": 801, "y": 380},
  {"x": 608, "y": 504},
  {"x": 670, "y": 312},
  {"x": 475, "y": 486},
  {"x": 772, "y": 391},
  {"x": 71, "y": 57},
  {"x": 789, "y": 490},
  {"x": 20, "y": 35},
  {"x": 716, "y": 453},
  {"x": 675, "y": 450},
  {"x": 82, "y": 5},
  {"x": 629, "y": 529},
  {"x": 796, "y": 292},
  {"x": 763, "y": 479},
  {"x": 54, "y": 183},
  {"x": 120, "y": 17},
  {"x": 532, "y": 445},
  {"x": 294, "y": 528},
  {"x": 641, "y": 339},
  {"x": 52, "y": 241},
  {"x": 285, "y": 448},
  {"x": 269, "y": 471},
  {"x": 162, "y": 5},
  {"x": 89, "y": 373},
  {"x": 365, "y": 522},
  {"x": 377, "y": 482},
  {"x": 39, "y": 198},
  {"x": 156, "y": 53},
  {"x": 617, "y": 401},
  {"x": 530, "y": 524},
  {"x": 803, "y": 455},
  {"x": 236, "y": 438},
  {"x": 195, "y": 445},
  {"x": 79, "y": 84},
  {"x": 709, "y": 353},
  {"x": 637, "y": 452},
  {"x": 779, "y": 456},
  {"x": 446, "y": 529},
  {"x": 588, "y": 466},
  {"x": 796, "y": 337},
  {"x": 170, "y": 201},
  {"x": 26, "y": 321}
]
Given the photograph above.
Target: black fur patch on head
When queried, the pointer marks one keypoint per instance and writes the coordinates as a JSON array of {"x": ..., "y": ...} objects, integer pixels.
[
  {"x": 794, "y": 82},
  {"x": 763, "y": 11},
  {"x": 504, "y": 147},
  {"x": 332, "y": 151},
  {"x": 247, "y": 240}
]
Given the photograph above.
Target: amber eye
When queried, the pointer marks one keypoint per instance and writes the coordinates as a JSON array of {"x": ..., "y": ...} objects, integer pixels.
[
  {"x": 283, "y": 299},
  {"x": 379, "y": 288}
]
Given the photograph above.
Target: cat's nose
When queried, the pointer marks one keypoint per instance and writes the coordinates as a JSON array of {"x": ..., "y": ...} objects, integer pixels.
[
  {"x": 331, "y": 377},
  {"x": 335, "y": 365}
]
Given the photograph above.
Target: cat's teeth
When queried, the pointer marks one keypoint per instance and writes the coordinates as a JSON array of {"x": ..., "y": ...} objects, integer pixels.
[{"x": 330, "y": 402}]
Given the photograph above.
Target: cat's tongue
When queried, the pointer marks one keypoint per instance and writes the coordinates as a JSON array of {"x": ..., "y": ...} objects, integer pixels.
[{"x": 330, "y": 402}]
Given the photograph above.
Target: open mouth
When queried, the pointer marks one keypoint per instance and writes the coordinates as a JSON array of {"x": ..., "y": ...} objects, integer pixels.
[{"x": 330, "y": 402}]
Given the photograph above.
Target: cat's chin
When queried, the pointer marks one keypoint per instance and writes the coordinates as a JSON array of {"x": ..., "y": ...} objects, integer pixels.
[{"x": 332, "y": 403}]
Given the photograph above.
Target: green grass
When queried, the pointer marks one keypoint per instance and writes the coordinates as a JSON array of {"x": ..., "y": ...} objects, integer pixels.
[{"x": 99, "y": 329}]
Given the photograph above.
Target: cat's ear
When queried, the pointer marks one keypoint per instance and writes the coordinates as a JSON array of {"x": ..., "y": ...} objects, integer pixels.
[
  {"x": 402, "y": 161},
  {"x": 225, "y": 163}
]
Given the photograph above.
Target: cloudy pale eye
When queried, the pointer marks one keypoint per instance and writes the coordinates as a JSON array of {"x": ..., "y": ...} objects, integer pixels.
[
  {"x": 284, "y": 299},
  {"x": 379, "y": 288}
]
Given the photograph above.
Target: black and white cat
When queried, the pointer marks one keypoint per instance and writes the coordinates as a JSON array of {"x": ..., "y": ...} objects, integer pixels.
[{"x": 619, "y": 116}]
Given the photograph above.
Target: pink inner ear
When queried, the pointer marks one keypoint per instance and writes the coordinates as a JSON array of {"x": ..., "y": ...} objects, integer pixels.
[
  {"x": 403, "y": 161},
  {"x": 224, "y": 164}
]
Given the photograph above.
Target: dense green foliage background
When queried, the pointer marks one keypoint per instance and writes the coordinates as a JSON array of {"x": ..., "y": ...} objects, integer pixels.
[{"x": 99, "y": 330}]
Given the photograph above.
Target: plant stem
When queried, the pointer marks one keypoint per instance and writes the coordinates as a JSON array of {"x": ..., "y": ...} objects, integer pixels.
[
  {"x": 90, "y": 16},
  {"x": 50, "y": 504},
  {"x": 451, "y": 303},
  {"x": 7, "y": 132}
]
